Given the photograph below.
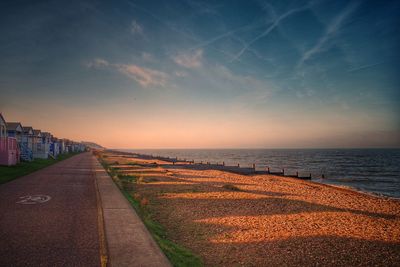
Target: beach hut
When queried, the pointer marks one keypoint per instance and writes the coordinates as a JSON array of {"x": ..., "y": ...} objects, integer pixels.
[
  {"x": 82, "y": 147},
  {"x": 68, "y": 146},
  {"x": 28, "y": 136},
  {"x": 62, "y": 145},
  {"x": 43, "y": 146},
  {"x": 78, "y": 147},
  {"x": 14, "y": 129},
  {"x": 27, "y": 143},
  {"x": 46, "y": 141},
  {"x": 37, "y": 143},
  {"x": 54, "y": 147},
  {"x": 75, "y": 147},
  {"x": 9, "y": 152}
]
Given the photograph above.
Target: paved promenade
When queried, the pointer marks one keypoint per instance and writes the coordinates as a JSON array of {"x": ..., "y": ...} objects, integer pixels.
[
  {"x": 129, "y": 242},
  {"x": 51, "y": 218}
]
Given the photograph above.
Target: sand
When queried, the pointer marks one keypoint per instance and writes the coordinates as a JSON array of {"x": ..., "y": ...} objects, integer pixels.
[{"x": 271, "y": 221}]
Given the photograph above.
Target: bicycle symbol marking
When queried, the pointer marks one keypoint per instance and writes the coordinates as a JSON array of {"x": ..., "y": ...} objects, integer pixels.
[{"x": 33, "y": 199}]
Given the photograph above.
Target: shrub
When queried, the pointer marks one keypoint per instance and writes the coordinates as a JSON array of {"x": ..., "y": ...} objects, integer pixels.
[
  {"x": 231, "y": 187},
  {"x": 144, "y": 202},
  {"x": 141, "y": 180}
]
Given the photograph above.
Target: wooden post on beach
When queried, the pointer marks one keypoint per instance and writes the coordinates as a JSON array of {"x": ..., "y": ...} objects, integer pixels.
[
  {"x": 268, "y": 170},
  {"x": 223, "y": 163},
  {"x": 254, "y": 166},
  {"x": 297, "y": 174},
  {"x": 323, "y": 176},
  {"x": 310, "y": 175},
  {"x": 238, "y": 165},
  {"x": 283, "y": 172}
]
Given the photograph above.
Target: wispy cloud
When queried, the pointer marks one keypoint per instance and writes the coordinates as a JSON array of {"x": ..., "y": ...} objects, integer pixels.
[
  {"x": 201, "y": 7},
  {"x": 330, "y": 32},
  {"x": 189, "y": 60},
  {"x": 180, "y": 74},
  {"x": 136, "y": 28},
  {"x": 165, "y": 23},
  {"x": 367, "y": 66},
  {"x": 97, "y": 63},
  {"x": 147, "y": 57},
  {"x": 274, "y": 24},
  {"x": 245, "y": 91},
  {"x": 144, "y": 76},
  {"x": 226, "y": 34},
  {"x": 200, "y": 43},
  {"x": 252, "y": 50}
]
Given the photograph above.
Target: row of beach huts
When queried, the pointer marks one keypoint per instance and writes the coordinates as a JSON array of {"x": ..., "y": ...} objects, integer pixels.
[{"x": 24, "y": 143}]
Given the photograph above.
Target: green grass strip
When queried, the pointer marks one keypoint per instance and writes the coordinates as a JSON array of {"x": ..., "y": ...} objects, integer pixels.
[
  {"x": 8, "y": 173},
  {"x": 177, "y": 255}
]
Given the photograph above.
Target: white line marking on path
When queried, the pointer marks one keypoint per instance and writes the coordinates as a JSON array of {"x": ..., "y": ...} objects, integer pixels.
[{"x": 33, "y": 199}]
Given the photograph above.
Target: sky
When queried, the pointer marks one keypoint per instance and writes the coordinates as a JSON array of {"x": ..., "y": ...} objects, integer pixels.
[{"x": 204, "y": 74}]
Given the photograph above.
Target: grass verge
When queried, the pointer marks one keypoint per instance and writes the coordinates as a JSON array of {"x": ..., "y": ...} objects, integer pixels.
[
  {"x": 177, "y": 255},
  {"x": 8, "y": 173}
]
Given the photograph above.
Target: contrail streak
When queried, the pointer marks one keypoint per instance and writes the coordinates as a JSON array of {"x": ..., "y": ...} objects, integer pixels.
[
  {"x": 332, "y": 28},
  {"x": 270, "y": 28},
  {"x": 366, "y": 66}
]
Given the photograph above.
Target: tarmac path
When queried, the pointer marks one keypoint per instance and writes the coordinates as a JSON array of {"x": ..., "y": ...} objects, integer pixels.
[{"x": 50, "y": 217}]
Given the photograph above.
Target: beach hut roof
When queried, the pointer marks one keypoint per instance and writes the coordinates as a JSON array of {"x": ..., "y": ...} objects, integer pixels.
[
  {"x": 14, "y": 126},
  {"x": 37, "y": 132},
  {"x": 46, "y": 134},
  {"x": 27, "y": 130}
]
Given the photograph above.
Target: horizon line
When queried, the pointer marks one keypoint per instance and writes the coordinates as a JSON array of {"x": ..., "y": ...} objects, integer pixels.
[{"x": 264, "y": 148}]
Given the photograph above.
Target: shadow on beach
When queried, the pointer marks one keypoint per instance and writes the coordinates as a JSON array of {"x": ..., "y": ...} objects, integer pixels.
[{"x": 270, "y": 221}]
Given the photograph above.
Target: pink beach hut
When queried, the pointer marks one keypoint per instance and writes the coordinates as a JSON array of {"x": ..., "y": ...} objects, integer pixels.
[{"x": 9, "y": 152}]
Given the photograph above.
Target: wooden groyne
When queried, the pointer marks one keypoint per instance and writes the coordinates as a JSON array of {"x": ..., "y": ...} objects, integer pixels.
[{"x": 191, "y": 164}]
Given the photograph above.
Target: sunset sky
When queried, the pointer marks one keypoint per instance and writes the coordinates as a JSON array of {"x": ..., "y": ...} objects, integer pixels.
[{"x": 204, "y": 74}]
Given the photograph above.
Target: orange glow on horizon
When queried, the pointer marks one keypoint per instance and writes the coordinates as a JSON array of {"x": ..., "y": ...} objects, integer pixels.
[{"x": 116, "y": 127}]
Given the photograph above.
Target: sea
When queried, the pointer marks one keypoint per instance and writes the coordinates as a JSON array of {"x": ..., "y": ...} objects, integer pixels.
[{"x": 375, "y": 171}]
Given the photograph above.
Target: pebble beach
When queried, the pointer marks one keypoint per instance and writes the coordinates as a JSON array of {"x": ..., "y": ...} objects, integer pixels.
[{"x": 231, "y": 219}]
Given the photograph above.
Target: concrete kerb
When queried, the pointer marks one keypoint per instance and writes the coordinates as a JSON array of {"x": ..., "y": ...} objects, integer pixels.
[{"x": 129, "y": 242}]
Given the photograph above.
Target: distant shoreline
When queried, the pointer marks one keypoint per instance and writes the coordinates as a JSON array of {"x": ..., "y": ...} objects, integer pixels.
[{"x": 218, "y": 167}]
